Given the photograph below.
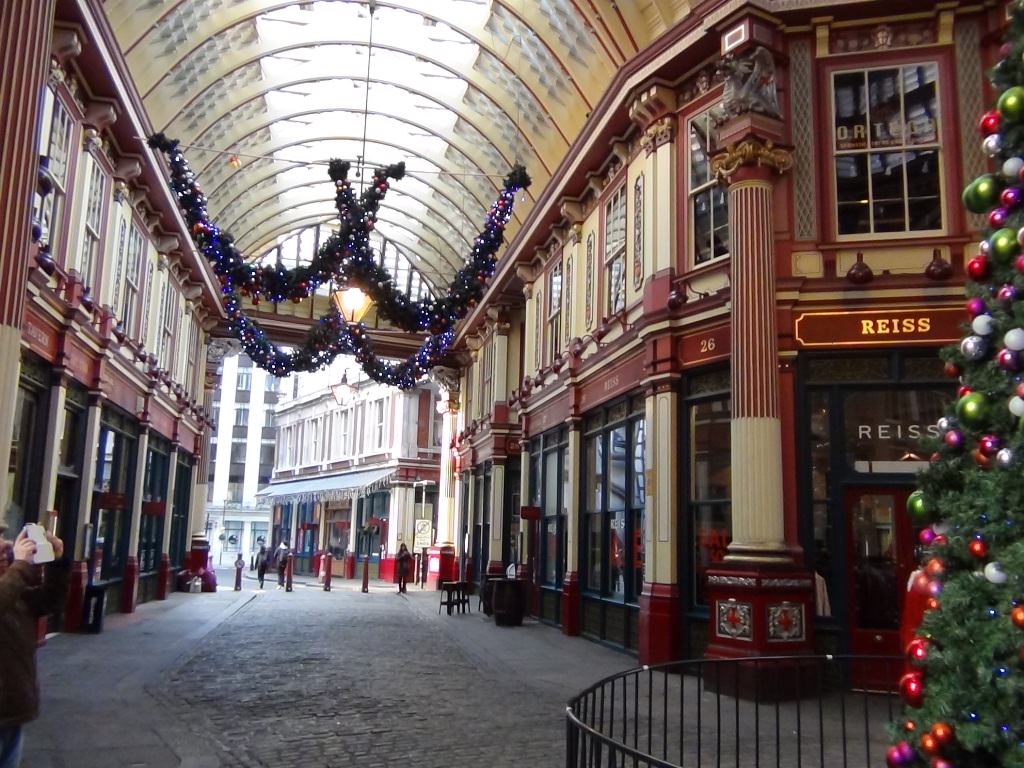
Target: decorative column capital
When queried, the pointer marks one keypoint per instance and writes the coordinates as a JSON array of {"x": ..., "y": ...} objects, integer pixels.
[
  {"x": 751, "y": 151},
  {"x": 659, "y": 132}
]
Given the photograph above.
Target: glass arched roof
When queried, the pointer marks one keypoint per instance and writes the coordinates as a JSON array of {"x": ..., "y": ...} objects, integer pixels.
[{"x": 264, "y": 92}]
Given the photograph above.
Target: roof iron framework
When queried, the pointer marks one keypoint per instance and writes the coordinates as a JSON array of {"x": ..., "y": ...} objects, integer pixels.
[{"x": 458, "y": 89}]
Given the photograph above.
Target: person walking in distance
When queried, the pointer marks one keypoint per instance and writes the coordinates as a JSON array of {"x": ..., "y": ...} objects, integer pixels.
[
  {"x": 404, "y": 567},
  {"x": 282, "y": 563},
  {"x": 261, "y": 564},
  {"x": 23, "y": 601}
]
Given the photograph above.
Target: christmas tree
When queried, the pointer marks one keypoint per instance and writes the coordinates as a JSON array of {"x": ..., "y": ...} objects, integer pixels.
[{"x": 965, "y": 691}]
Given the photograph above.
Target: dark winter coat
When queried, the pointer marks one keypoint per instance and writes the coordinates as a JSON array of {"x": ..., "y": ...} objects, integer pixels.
[{"x": 22, "y": 602}]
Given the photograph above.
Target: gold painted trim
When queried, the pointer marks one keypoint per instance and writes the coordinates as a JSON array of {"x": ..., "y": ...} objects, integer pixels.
[{"x": 751, "y": 151}]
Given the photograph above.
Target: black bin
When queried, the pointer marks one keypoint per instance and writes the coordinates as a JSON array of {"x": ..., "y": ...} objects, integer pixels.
[
  {"x": 94, "y": 608},
  {"x": 507, "y": 602}
]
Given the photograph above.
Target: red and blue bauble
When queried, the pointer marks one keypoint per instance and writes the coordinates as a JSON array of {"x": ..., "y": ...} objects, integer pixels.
[{"x": 1010, "y": 198}]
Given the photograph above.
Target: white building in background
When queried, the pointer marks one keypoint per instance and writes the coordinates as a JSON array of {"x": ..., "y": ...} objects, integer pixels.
[
  {"x": 351, "y": 451},
  {"x": 242, "y": 460}
]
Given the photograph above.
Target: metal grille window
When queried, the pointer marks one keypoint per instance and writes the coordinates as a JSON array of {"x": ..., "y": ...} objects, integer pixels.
[
  {"x": 615, "y": 252},
  {"x": 708, "y": 199},
  {"x": 93, "y": 234},
  {"x": 555, "y": 312},
  {"x": 887, "y": 150}
]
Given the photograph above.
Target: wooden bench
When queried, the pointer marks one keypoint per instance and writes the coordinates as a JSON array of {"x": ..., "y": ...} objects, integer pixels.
[{"x": 454, "y": 594}]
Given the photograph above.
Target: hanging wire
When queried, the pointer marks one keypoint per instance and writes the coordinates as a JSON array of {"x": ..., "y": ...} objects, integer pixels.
[{"x": 372, "y": 6}]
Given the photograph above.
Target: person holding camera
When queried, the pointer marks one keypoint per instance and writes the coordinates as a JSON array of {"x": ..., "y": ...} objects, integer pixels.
[{"x": 24, "y": 599}]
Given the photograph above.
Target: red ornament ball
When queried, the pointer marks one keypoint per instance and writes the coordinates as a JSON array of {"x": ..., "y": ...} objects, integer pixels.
[
  {"x": 912, "y": 689},
  {"x": 942, "y": 733},
  {"x": 933, "y": 604},
  {"x": 952, "y": 370},
  {"x": 983, "y": 461},
  {"x": 939, "y": 762},
  {"x": 909, "y": 725},
  {"x": 989, "y": 123},
  {"x": 978, "y": 548},
  {"x": 1017, "y": 616},
  {"x": 940, "y": 540},
  {"x": 922, "y": 584},
  {"x": 963, "y": 391},
  {"x": 917, "y": 650},
  {"x": 929, "y": 744},
  {"x": 978, "y": 268},
  {"x": 934, "y": 567}
]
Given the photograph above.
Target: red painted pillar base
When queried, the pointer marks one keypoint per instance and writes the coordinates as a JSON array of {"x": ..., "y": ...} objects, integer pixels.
[
  {"x": 163, "y": 577},
  {"x": 660, "y": 624},
  {"x": 571, "y": 604},
  {"x": 289, "y": 570},
  {"x": 75, "y": 605},
  {"x": 130, "y": 585},
  {"x": 350, "y": 566},
  {"x": 441, "y": 565},
  {"x": 759, "y": 610},
  {"x": 495, "y": 568},
  {"x": 386, "y": 570}
]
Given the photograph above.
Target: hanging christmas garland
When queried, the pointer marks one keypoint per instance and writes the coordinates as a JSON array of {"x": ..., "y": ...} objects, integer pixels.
[{"x": 347, "y": 258}]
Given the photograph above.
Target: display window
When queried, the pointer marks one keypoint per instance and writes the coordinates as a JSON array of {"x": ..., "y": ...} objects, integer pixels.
[{"x": 112, "y": 495}]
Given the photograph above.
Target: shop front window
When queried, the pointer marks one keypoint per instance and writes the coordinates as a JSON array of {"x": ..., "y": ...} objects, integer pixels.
[
  {"x": 887, "y": 150},
  {"x": 115, "y": 467},
  {"x": 614, "y": 497},
  {"x": 883, "y": 429},
  {"x": 547, "y": 491},
  {"x": 710, "y": 486},
  {"x": 154, "y": 508}
]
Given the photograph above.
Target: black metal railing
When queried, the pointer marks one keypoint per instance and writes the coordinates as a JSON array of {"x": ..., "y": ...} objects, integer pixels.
[{"x": 770, "y": 712}]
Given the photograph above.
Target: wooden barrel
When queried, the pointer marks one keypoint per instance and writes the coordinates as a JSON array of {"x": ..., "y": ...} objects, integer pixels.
[{"x": 507, "y": 602}]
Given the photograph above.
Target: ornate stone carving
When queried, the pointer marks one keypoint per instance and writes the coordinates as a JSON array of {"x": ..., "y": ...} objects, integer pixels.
[
  {"x": 734, "y": 620},
  {"x": 882, "y": 37},
  {"x": 785, "y": 622},
  {"x": 751, "y": 151},
  {"x": 221, "y": 348},
  {"x": 446, "y": 378},
  {"x": 638, "y": 232},
  {"x": 660, "y": 132},
  {"x": 733, "y": 581},
  {"x": 749, "y": 86}
]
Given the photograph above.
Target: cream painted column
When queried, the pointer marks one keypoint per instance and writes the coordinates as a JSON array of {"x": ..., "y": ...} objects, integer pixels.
[
  {"x": 55, "y": 418},
  {"x": 500, "y": 385},
  {"x": 130, "y": 585},
  {"x": 661, "y": 469},
  {"x": 496, "y": 563},
  {"x": 660, "y": 215},
  {"x": 448, "y": 407},
  {"x": 758, "y": 523},
  {"x": 90, "y": 449}
]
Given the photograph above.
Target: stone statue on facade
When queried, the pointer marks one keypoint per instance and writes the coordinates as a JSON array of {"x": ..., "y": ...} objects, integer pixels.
[{"x": 749, "y": 86}]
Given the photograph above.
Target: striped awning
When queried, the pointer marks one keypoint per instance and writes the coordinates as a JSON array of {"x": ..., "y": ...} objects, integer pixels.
[{"x": 346, "y": 485}]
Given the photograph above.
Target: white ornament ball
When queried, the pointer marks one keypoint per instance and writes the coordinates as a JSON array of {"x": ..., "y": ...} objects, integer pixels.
[
  {"x": 992, "y": 145},
  {"x": 1005, "y": 458},
  {"x": 941, "y": 528},
  {"x": 1017, "y": 406},
  {"x": 945, "y": 423},
  {"x": 983, "y": 325},
  {"x": 1014, "y": 339},
  {"x": 973, "y": 347},
  {"x": 995, "y": 574},
  {"x": 1012, "y": 168}
]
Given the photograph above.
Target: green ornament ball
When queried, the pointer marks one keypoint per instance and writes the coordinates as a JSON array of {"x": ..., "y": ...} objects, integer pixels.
[
  {"x": 1004, "y": 244},
  {"x": 1011, "y": 104},
  {"x": 982, "y": 194},
  {"x": 917, "y": 509},
  {"x": 972, "y": 409}
]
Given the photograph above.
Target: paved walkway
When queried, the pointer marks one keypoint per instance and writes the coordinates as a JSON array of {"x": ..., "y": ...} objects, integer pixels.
[{"x": 309, "y": 679}]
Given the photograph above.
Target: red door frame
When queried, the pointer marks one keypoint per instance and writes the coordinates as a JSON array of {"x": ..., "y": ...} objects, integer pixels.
[{"x": 873, "y": 641}]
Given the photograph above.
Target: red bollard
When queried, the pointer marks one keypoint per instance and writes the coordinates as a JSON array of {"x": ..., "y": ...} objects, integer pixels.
[
  {"x": 288, "y": 570},
  {"x": 326, "y": 565}
]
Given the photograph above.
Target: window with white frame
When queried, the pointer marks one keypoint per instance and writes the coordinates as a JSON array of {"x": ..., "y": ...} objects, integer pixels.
[
  {"x": 708, "y": 198},
  {"x": 486, "y": 372},
  {"x": 93, "y": 234},
  {"x": 168, "y": 313},
  {"x": 377, "y": 423},
  {"x": 147, "y": 301},
  {"x": 314, "y": 441},
  {"x": 54, "y": 145},
  {"x": 342, "y": 434},
  {"x": 133, "y": 266},
  {"x": 241, "y": 415},
  {"x": 614, "y": 252},
  {"x": 122, "y": 255},
  {"x": 244, "y": 380},
  {"x": 555, "y": 311},
  {"x": 268, "y": 418},
  {"x": 887, "y": 150},
  {"x": 437, "y": 426}
]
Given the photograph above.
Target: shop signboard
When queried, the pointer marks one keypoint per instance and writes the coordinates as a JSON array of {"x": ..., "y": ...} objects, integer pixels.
[{"x": 879, "y": 327}]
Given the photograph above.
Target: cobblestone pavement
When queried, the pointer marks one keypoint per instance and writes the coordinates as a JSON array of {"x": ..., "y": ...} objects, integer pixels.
[{"x": 310, "y": 679}]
